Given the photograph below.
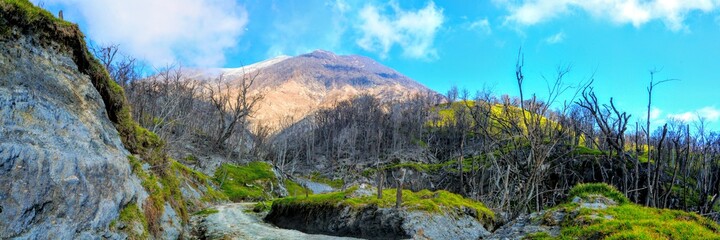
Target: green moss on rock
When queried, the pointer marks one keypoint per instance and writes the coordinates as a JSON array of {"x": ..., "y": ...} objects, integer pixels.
[
  {"x": 132, "y": 221},
  {"x": 252, "y": 182},
  {"x": 626, "y": 220},
  {"x": 206, "y": 212},
  {"x": 425, "y": 200},
  {"x": 586, "y": 189},
  {"x": 21, "y": 18},
  {"x": 295, "y": 189},
  {"x": 631, "y": 221}
]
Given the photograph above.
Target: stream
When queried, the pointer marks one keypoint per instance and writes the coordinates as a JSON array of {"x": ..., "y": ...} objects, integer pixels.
[{"x": 237, "y": 221}]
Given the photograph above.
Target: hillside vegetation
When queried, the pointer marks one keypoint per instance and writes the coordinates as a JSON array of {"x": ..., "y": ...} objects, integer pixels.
[
  {"x": 425, "y": 200},
  {"x": 599, "y": 211},
  {"x": 255, "y": 181}
]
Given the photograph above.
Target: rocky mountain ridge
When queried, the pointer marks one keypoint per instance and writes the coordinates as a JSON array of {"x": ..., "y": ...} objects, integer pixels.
[{"x": 294, "y": 87}]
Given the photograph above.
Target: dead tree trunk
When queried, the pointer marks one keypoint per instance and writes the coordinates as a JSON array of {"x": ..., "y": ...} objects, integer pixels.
[{"x": 399, "y": 182}]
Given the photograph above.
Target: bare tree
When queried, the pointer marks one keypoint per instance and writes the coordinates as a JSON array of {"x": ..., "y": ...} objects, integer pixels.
[
  {"x": 650, "y": 88},
  {"x": 399, "y": 181},
  {"x": 612, "y": 128},
  {"x": 122, "y": 68},
  {"x": 233, "y": 103}
]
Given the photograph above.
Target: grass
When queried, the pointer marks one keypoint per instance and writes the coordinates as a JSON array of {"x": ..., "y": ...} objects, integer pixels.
[
  {"x": 437, "y": 202},
  {"x": 200, "y": 180},
  {"x": 582, "y": 150},
  {"x": 262, "y": 206},
  {"x": 23, "y": 13},
  {"x": 446, "y": 114},
  {"x": 249, "y": 182},
  {"x": 53, "y": 33},
  {"x": 295, "y": 189},
  {"x": 131, "y": 215},
  {"x": 206, "y": 212},
  {"x": 631, "y": 221},
  {"x": 154, "y": 205},
  {"x": 538, "y": 236},
  {"x": 163, "y": 187},
  {"x": 254, "y": 181},
  {"x": 584, "y": 190},
  {"x": 628, "y": 220}
]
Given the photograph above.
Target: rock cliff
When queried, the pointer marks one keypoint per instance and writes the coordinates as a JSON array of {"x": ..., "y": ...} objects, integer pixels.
[
  {"x": 73, "y": 163},
  {"x": 64, "y": 168},
  {"x": 356, "y": 212}
]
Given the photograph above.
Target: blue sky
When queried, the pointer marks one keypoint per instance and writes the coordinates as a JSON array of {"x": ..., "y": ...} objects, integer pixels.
[{"x": 471, "y": 44}]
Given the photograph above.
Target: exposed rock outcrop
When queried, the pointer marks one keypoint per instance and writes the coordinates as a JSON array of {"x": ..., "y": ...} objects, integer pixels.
[
  {"x": 375, "y": 223},
  {"x": 599, "y": 211},
  {"x": 67, "y": 142},
  {"x": 353, "y": 213},
  {"x": 64, "y": 170}
]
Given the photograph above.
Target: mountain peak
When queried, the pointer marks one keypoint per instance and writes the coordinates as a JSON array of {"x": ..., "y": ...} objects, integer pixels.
[
  {"x": 296, "y": 86},
  {"x": 254, "y": 67},
  {"x": 321, "y": 54}
]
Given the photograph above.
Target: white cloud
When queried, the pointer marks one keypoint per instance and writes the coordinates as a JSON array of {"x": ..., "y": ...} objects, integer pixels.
[
  {"x": 556, "y": 38},
  {"x": 710, "y": 114},
  {"x": 482, "y": 25},
  {"x": 413, "y": 31},
  {"x": 342, "y": 6},
  {"x": 655, "y": 113},
  {"x": 196, "y": 32},
  {"x": 671, "y": 12}
]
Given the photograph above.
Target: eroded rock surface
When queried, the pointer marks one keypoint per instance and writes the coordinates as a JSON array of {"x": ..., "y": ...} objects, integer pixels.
[
  {"x": 64, "y": 172},
  {"x": 375, "y": 223},
  {"x": 549, "y": 221}
]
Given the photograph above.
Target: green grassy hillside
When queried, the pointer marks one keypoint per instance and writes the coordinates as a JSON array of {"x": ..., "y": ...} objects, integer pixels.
[
  {"x": 435, "y": 202},
  {"x": 623, "y": 219}
]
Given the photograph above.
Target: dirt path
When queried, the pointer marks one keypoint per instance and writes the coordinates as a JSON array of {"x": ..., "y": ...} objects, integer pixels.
[{"x": 233, "y": 222}]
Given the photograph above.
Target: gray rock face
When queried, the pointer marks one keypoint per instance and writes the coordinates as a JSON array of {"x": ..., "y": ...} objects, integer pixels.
[
  {"x": 368, "y": 222},
  {"x": 550, "y": 221},
  {"x": 375, "y": 223},
  {"x": 441, "y": 226},
  {"x": 529, "y": 224},
  {"x": 64, "y": 172},
  {"x": 171, "y": 223}
]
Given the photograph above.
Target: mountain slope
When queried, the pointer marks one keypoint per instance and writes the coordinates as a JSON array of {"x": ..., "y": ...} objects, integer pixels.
[{"x": 296, "y": 86}]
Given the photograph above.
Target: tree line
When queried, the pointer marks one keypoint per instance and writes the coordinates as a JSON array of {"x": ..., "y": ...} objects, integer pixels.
[
  {"x": 181, "y": 105},
  {"x": 516, "y": 155}
]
